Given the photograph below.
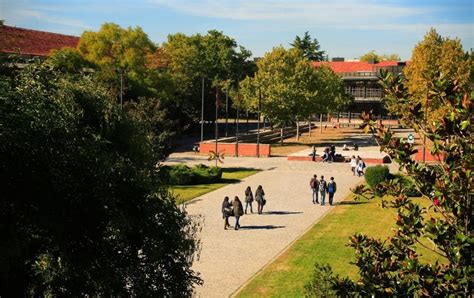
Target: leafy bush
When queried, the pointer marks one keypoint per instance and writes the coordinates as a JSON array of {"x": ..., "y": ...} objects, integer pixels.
[
  {"x": 321, "y": 283},
  {"x": 374, "y": 176},
  {"x": 408, "y": 187},
  {"x": 200, "y": 174}
]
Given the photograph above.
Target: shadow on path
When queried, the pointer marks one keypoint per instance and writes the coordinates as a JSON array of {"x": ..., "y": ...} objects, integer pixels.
[
  {"x": 281, "y": 212},
  {"x": 267, "y": 227},
  {"x": 349, "y": 203}
]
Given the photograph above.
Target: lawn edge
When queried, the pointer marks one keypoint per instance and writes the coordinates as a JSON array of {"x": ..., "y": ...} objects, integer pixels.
[
  {"x": 286, "y": 248},
  {"x": 240, "y": 180}
]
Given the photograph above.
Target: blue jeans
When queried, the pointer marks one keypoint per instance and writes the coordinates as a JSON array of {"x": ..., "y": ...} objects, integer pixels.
[
  {"x": 237, "y": 225},
  {"x": 315, "y": 195},
  {"x": 322, "y": 195}
]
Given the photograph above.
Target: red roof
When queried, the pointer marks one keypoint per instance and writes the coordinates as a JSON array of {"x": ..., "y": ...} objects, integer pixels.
[
  {"x": 33, "y": 42},
  {"x": 342, "y": 67}
]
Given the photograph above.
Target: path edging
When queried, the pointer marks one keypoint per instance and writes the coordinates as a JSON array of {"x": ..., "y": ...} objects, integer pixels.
[{"x": 286, "y": 248}]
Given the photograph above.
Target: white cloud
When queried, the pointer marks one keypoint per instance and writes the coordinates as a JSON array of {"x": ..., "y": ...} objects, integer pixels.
[
  {"x": 333, "y": 12},
  {"x": 17, "y": 15}
]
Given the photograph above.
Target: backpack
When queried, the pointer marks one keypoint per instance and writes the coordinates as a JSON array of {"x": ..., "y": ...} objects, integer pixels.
[
  {"x": 312, "y": 183},
  {"x": 322, "y": 185},
  {"x": 331, "y": 187}
]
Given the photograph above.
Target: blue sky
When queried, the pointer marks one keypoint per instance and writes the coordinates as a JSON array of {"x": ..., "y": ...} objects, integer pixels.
[{"x": 344, "y": 28}]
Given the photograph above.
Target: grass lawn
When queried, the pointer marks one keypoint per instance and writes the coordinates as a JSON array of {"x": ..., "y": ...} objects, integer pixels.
[
  {"x": 185, "y": 193},
  {"x": 325, "y": 243}
]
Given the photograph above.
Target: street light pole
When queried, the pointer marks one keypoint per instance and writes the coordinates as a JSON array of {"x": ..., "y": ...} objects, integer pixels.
[
  {"x": 216, "y": 125},
  {"x": 258, "y": 120},
  {"x": 226, "y": 110},
  {"x": 202, "y": 110},
  {"x": 237, "y": 126}
]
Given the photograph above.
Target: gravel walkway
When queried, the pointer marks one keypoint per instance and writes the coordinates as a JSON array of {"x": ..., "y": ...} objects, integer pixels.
[{"x": 230, "y": 258}]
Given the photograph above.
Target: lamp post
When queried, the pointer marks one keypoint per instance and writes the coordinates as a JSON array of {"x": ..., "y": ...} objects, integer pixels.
[
  {"x": 202, "y": 110},
  {"x": 258, "y": 120},
  {"x": 226, "y": 110},
  {"x": 216, "y": 124},
  {"x": 237, "y": 121}
]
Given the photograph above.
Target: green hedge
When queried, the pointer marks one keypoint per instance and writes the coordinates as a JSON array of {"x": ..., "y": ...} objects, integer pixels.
[
  {"x": 183, "y": 175},
  {"x": 376, "y": 175}
]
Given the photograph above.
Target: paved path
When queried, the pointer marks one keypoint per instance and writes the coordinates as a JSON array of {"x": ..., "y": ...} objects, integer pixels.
[{"x": 230, "y": 258}]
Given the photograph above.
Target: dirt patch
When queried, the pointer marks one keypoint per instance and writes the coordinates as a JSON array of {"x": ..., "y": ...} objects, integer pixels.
[{"x": 328, "y": 133}]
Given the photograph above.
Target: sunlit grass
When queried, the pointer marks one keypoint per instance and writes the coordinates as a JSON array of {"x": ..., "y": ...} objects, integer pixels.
[
  {"x": 326, "y": 243},
  {"x": 185, "y": 193}
]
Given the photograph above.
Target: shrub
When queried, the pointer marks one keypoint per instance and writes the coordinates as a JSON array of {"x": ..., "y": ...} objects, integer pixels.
[
  {"x": 321, "y": 284},
  {"x": 200, "y": 174},
  {"x": 407, "y": 184},
  {"x": 376, "y": 175}
]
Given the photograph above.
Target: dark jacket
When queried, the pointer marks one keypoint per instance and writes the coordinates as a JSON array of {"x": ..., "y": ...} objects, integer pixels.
[
  {"x": 248, "y": 196},
  {"x": 238, "y": 208},
  {"x": 259, "y": 193},
  {"x": 224, "y": 206}
]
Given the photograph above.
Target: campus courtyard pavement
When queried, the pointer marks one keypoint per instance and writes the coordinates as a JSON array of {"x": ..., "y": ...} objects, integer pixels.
[{"x": 231, "y": 258}]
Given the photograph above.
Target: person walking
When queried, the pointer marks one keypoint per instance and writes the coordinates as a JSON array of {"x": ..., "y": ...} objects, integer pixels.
[
  {"x": 248, "y": 199},
  {"x": 313, "y": 153},
  {"x": 260, "y": 198},
  {"x": 322, "y": 190},
  {"x": 238, "y": 211},
  {"x": 314, "y": 184},
  {"x": 353, "y": 165},
  {"x": 331, "y": 189},
  {"x": 360, "y": 166},
  {"x": 226, "y": 212}
]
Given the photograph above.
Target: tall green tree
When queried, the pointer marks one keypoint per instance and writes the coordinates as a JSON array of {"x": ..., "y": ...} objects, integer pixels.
[
  {"x": 215, "y": 57},
  {"x": 120, "y": 53},
  {"x": 82, "y": 210},
  {"x": 309, "y": 48},
  {"x": 289, "y": 87}
]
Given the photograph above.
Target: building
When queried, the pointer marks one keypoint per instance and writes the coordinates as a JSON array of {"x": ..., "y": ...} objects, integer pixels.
[
  {"x": 361, "y": 81},
  {"x": 30, "y": 43}
]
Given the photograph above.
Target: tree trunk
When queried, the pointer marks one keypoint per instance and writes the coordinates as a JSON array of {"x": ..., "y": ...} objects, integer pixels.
[
  {"x": 281, "y": 135},
  {"x": 297, "y": 130},
  {"x": 309, "y": 125},
  {"x": 321, "y": 123}
]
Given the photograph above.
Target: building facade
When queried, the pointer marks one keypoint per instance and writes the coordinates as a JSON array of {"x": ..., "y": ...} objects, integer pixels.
[{"x": 361, "y": 81}]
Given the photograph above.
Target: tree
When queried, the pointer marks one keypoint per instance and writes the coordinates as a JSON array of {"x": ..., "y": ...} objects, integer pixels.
[
  {"x": 432, "y": 57},
  {"x": 214, "y": 57},
  {"x": 82, "y": 211},
  {"x": 310, "y": 49},
  {"x": 290, "y": 88},
  {"x": 375, "y": 58},
  {"x": 393, "y": 266},
  {"x": 119, "y": 52},
  {"x": 67, "y": 60}
]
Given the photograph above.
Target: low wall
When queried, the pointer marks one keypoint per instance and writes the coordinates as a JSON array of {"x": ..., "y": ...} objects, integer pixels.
[{"x": 244, "y": 149}]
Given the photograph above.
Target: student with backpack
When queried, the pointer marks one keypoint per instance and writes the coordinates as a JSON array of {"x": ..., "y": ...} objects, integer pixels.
[
  {"x": 314, "y": 183},
  {"x": 322, "y": 190},
  {"x": 331, "y": 190}
]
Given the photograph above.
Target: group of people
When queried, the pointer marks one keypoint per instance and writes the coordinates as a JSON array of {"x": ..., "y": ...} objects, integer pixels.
[
  {"x": 236, "y": 209},
  {"x": 329, "y": 154},
  {"x": 357, "y": 165},
  {"x": 321, "y": 187}
]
